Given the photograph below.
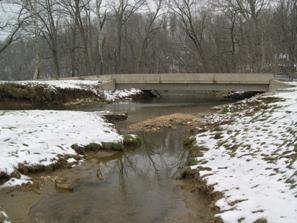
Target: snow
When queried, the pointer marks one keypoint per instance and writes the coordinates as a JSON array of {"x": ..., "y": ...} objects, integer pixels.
[
  {"x": 6, "y": 220},
  {"x": 16, "y": 182},
  {"x": 74, "y": 84},
  {"x": 71, "y": 160},
  {"x": 90, "y": 85},
  {"x": 120, "y": 94},
  {"x": 252, "y": 161},
  {"x": 37, "y": 137}
]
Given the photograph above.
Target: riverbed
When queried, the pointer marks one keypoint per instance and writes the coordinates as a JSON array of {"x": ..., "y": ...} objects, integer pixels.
[{"x": 137, "y": 186}]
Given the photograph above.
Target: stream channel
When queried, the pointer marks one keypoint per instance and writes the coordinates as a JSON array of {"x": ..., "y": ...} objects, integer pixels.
[{"x": 135, "y": 187}]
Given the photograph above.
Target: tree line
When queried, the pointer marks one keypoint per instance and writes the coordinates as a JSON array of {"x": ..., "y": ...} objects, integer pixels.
[{"x": 63, "y": 38}]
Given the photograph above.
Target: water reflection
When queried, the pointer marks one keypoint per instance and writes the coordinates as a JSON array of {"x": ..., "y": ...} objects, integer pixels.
[{"x": 136, "y": 187}]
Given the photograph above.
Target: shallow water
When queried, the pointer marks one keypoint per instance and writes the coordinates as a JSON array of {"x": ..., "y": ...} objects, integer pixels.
[
  {"x": 149, "y": 108},
  {"x": 138, "y": 186}
]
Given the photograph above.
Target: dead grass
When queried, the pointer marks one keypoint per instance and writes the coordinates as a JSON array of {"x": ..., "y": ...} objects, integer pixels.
[{"x": 165, "y": 121}]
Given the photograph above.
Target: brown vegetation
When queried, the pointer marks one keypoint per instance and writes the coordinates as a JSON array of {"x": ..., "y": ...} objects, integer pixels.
[{"x": 166, "y": 121}]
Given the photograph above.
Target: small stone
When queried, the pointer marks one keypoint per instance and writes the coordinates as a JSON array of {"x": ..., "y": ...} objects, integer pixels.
[
  {"x": 132, "y": 140},
  {"x": 115, "y": 117},
  {"x": 64, "y": 184},
  {"x": 16, "y": 174}
]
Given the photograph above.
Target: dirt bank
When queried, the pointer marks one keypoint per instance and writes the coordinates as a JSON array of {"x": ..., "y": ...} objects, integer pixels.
[
  {"x": 166, "y": 121},
  {"x": 14, "y": 95}
]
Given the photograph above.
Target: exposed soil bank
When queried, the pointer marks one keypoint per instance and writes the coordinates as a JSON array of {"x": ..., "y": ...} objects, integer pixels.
[{"x": 13, "y": 95}]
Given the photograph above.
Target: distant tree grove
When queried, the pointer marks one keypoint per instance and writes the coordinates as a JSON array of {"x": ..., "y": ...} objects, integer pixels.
[{"x": 64, "y": 38}]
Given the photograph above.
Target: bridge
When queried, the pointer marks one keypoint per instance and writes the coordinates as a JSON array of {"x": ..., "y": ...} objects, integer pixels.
[{"x": 190, "y": 81}]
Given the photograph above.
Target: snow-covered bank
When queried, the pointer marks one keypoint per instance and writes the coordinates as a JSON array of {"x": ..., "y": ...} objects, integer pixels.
[
  {"x": 73, "y": 84},
  {"x": 40, "y": 138},
  {"x": 60, "y": 92},
  {"x": 249, "y": 154}
]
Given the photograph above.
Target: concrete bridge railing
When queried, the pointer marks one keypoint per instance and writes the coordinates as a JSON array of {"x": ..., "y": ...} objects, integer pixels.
[{"x": 188, "y": 81}]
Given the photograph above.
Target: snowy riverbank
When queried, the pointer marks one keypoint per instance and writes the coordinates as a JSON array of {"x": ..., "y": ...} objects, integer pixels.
[
  {"x": 248, "y": 154},
  {"x": 88, "y": 85},
  {"x": 41, "y": 138},
  {"x": 25, "y": 94}
]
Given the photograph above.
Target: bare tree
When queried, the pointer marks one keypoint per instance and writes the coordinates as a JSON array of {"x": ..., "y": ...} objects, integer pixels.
[
  {"x": 122, "y": 10},
  {"x": 194, "y": 24},
  {"x": 48, "y": 16},
  {"x": 285, "y": 26},
  {"x": 76, "y": 10},
  {"x": 151, "y": 28},
  {"x": 11, "y": 29},
  {"x": 101, "y": 19},
  {"x": 79, "y": 37},
  {"x": 251, "y": 11}
]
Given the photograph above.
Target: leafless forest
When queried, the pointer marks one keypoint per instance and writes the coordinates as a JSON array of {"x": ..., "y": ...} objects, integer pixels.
[{"x": 59, "y": 38}]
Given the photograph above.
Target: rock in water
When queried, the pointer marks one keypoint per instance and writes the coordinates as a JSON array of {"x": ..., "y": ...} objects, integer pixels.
[
  {"x": 131, "y": 140},
  {"x": 115, "y": 117},
  {"x": 64, "y": 184}
]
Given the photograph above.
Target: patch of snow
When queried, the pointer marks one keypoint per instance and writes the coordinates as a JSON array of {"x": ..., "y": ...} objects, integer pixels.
[
  {"x": 71, "y": 160},
  {"x": 133, "y": 136},
  {"x": 38, "y": 137},
  {"x": 120, "y": 94},
  {"x": 253, "y": 162},
  {"x": 13, "y": 182},
  {"x": 63, "y": 84},
  {"x": 6, "y": 219}
]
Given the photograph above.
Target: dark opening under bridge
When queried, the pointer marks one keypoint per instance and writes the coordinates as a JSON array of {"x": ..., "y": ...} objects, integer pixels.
[{"x": 190, "y": 81}]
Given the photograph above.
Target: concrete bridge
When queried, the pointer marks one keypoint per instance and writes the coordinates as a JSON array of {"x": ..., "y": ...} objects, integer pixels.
[{"x": 189, "y": 81}]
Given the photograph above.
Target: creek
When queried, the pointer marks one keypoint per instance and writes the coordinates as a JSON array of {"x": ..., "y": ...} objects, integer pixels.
[{"x": 137, "y": 186}]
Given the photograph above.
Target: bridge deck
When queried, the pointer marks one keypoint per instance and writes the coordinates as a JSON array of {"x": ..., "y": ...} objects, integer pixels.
[{"x": 189, "y": 81}]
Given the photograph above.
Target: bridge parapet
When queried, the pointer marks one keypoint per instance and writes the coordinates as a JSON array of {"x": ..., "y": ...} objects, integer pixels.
[
  {"x": 189, "y": 81},
  {"x": 191, "y": 78}
]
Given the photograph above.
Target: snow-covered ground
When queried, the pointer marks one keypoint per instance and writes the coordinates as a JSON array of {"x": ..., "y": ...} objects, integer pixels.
[
  {"x": 4, "y": 217},
  {"x": 120, "y": 94},
  {"x": 38, "y": 137},
  {"x": 74, "y": 84},
  {"x": 252, "y": 160},
  {"x": 90, "y": 85}
]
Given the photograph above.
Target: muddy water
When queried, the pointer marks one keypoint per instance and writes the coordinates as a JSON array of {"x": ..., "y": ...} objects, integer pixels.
[{"x": 134, "y": 187}]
